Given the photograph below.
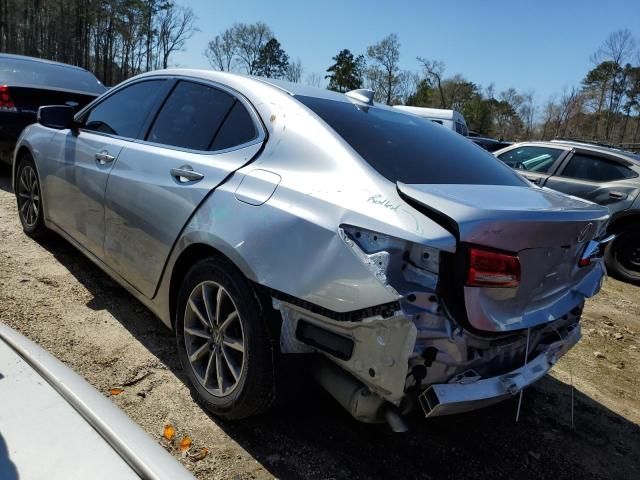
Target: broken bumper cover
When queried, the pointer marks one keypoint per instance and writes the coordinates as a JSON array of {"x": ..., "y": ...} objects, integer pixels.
[{"x": 472, "y": 393}]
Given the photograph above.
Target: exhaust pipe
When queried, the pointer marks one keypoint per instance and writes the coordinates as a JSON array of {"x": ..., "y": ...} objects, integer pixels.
[{"x": 356, "y": 398}]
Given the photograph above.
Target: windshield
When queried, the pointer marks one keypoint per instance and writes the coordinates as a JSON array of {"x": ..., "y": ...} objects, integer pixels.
[
  {"x": 409, "y": 149},
  {"x": 19, "y": 71}
]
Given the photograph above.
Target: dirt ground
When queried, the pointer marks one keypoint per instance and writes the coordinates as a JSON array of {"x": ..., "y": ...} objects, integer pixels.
[{"x": 52, "y": 294}]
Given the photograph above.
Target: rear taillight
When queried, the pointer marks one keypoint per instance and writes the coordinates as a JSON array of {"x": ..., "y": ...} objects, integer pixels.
[
  {"x": 492, "y": 269},
  {"x": 5, "y": 99}
]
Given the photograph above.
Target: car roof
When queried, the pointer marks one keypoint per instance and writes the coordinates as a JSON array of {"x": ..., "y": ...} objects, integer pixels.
[
  {"x": 231, "y": 78},
  {"x": 569, "y": 145},
  {"x": 40, "y": 60}
]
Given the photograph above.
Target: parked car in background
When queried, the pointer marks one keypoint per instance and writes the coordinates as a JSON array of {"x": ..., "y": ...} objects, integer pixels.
[
  {"x": 451, "y": 119},
  {"x": 55, "y": 425},
  {"x": 489, "y": 144},
  {"x": 27, "y": 83},
  {"x": 602, "y": 175},
  {"x": 260, "y": 218}
]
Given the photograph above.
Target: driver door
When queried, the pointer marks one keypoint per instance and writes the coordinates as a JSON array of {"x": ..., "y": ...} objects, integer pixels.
[{"x": 85, "y": 157}]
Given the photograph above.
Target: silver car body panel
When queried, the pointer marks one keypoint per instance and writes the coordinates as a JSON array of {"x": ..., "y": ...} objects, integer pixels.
[
  {"x": 55, "y": 425},
  {"x": 284, "y": 210}
]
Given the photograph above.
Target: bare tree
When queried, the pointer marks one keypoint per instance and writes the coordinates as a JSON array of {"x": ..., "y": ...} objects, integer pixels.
[
  {"x": 294, "y": 71},
  {"x": 314, "y": 80},
  {"x": 176, "y": 25},
  {"x": 407, "y": 84},
  {"x": 549, "y": 113},
  {"x": 434, "y": 69},
  {"x": 528, "y": 112},
  {"x": 609, "y": 60},
  {"x": 249, "y": 40},
  {"x": 386, "y": 57},
  {"x": 221, "y": 51}
]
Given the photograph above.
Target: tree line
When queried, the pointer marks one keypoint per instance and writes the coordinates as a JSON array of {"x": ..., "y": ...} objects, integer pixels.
[
  {"x": 605, "y": 106},
  {"x": 115, "y": 39}
]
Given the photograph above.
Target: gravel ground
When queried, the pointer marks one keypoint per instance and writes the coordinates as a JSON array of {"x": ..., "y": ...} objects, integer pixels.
[{"x": 59, "y": 299}]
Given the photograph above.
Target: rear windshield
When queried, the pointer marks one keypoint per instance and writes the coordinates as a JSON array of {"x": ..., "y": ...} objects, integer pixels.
[
  {"x": 18, "y": 71},
  {"x": 409, "y": 149}
]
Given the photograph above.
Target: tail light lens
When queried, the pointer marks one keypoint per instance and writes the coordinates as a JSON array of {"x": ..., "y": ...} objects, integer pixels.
[
  {"x": 492, "y": 269},
  {"x": 5, "y": 99}
]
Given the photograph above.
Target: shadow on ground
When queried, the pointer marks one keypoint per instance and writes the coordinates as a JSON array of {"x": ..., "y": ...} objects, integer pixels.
[{"x": 312, "y": 437}]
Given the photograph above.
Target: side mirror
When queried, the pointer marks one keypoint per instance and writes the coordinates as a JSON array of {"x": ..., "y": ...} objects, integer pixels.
[{"x": 56, "y": 116}]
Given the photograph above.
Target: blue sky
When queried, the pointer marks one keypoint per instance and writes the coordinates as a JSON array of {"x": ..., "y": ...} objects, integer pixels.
[{"x": 530, "y": 45}]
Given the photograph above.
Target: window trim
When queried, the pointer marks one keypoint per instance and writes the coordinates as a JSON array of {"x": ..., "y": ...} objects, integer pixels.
[
  {"x": 599, "y": 155},
  {"x": 261, "y": 131},
  {"x": 82, "y": 114},
  {"x": 163, "y": 95}
]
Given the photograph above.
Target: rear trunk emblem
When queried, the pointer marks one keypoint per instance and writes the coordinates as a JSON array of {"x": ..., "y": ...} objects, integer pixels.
[{"x": 584, "y": 232}]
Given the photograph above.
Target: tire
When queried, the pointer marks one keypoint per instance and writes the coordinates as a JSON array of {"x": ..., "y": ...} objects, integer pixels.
[
  {"x": 622, "y": 256},
  {"x": 230, "y": 383},
  {"x": 29, "y": 198}
]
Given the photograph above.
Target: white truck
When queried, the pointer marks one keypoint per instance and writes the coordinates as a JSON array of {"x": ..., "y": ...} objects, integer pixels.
[{"x": 449, "y": 118}]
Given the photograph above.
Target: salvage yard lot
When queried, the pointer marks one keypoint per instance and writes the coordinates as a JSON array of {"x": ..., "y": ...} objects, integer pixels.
[{"x": 59, "y": 299}]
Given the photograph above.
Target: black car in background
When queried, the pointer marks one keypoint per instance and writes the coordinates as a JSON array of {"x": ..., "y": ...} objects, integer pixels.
[
  {"x": 489, "y": 144},
  {"x": 27, "y": 83},
  {"x": 607, "y": 176}
]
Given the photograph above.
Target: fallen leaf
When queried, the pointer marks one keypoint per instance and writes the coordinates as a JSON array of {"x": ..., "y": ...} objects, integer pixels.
[
  {"x": 169, "y": 432},
  {"x": 185, "y": 443},
  {"x": 199, "y": 455},
  {"x": 116, "y": 391}
]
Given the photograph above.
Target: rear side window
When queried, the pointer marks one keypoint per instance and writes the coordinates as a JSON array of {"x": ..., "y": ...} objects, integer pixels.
[
  {"x": 595, "y": 169},
  {"x": 191, "y": 116},
  {"x": 531, "y": 158},
  {"x": 237, "y": 129},
  {"x": 409, "y": 149},
  {"x": 124, "y": 112}
]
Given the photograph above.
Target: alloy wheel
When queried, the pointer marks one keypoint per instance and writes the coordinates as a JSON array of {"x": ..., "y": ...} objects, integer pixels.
[
  {"x": 28, "y": 196},
  {"x": 214, "y": 338}
]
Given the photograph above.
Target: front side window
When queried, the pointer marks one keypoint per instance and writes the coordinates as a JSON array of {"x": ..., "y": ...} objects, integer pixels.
[
  {"x": 409, "y": 149},
  {"x": 531, "y": 158},
  {"x": 191, "y": 116},
  {"x": 124, "y": 112},
  {"x": 595, "y": 169}
]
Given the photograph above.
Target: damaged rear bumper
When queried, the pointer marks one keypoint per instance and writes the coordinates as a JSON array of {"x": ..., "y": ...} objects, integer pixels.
[{"x": 470, "y": 392}]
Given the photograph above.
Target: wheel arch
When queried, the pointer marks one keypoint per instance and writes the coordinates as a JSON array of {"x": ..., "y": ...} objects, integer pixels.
[
  {"x": 193, "y": 253},
  {"x": 621, "y": 222},
  {"x": 20, "y": 152}
]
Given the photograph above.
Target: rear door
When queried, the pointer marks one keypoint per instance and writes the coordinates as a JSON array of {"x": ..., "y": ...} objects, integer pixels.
[
  {"x": 201, "y": 135},
  {"x": 76, "y": 174},
  {"x": 534, "y": 162},
  {"x": 603, "y": 179}
]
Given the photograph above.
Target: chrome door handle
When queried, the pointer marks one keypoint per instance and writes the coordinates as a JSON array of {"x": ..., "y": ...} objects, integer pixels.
[
  {"x": 103, "y": 157},
  {"x": 186, "y": 174}
]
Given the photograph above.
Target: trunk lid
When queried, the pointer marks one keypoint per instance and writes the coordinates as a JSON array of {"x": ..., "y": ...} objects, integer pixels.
[{"x": 547, "y": 230}]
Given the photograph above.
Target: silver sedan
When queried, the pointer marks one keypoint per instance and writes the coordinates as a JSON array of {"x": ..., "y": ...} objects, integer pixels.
[{"x": 261, "y": 219}]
